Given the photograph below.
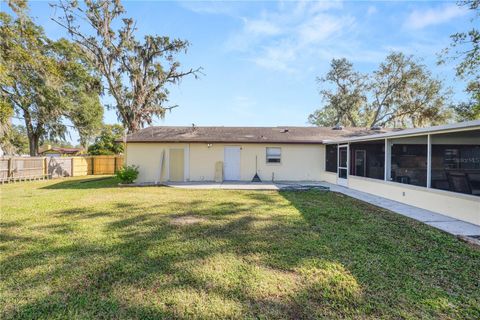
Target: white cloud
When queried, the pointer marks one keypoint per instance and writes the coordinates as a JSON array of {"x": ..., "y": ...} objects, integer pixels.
[
  {"x": 210, "y": 7},
  {"x": 321, "y": 27},
  {"x": 277, "y": 57},
  {"x": 279, "y": 39},
  {"x": 261, "y": 27},
  {"x": 421, "y": 19},
  {"x": 372, "y": 10}
]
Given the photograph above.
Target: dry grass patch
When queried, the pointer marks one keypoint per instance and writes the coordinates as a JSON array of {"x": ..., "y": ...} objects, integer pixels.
[{"x": 186, "y": 220}]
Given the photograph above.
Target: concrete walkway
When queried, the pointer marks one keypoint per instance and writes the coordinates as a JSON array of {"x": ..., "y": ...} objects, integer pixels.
[{"x": 436, "y": 220}]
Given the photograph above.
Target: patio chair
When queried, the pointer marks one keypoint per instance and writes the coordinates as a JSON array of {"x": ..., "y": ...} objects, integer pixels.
[
  {"x": 458, "y": 182},
  {"x": 474, "y": 182}
]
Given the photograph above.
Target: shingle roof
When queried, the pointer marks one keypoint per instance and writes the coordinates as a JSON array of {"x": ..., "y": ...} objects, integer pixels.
[{"x": 314, "y": 135}]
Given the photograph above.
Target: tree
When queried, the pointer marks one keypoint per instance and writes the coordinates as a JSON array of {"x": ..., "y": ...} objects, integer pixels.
[
  {"x": 405, "y": 94},
  {"x": 136, "y": 73},
  {"x": 43, "y": 80},
  {"x": 18, "y": 139},
  {"x": 343, "y": 104},
  {"x": 105, "y": 143},
  {"x": 465, "y": 48},
  {"x": 6, "y": 113},
  {"x": 82, "y": 87},
  {"x": 401, "y": 92}
]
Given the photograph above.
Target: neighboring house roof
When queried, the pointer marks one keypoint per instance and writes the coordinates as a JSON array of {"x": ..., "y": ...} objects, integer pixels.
[
  {"x": 61, "y": 150},
  {"x": 452, "y": 127},
  {"x": 304, "y": 135}
]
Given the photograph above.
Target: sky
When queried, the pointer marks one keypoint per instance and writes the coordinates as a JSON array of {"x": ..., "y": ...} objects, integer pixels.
[{"x": 260, "y": 59}]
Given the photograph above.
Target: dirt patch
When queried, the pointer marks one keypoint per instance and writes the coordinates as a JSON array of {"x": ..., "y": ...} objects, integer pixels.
[
  {"x": 186, "y": 220},
  {"x": 473, "y": 241}
]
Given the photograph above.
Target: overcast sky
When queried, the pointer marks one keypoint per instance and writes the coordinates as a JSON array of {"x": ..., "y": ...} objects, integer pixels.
[{"x": 261, "y": 59}]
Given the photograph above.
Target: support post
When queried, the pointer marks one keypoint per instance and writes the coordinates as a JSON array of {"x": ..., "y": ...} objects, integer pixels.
[
  {"x": 338, "y": 159},
  {"x": 429, "y": 161},
  {"x": 348, "y": 159},
  {"x": 388, "y": 160},
  {"x": 45, "y": 167},
  {"x": 72, "y": 167}
]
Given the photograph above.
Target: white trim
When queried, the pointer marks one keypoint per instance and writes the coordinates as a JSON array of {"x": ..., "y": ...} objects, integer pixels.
[
  {"x": 456, "y": 127},
  {"x": 273, "y": 163},
  {"x": 388, "y": 160},
  {"x": 429, "y": 161},
  {"x": 385, "y": 161},
  {"x": 343, "y": 181}
]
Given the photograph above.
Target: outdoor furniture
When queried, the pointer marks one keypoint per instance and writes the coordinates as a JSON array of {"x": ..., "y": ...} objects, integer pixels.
[
  {"x": 403, "y": 179},
  {"x": 459, "y": 182},
  {"x": 474, "y": 182}
]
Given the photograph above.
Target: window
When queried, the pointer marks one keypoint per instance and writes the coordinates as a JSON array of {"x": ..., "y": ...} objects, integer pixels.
[
  {"x": 368, "y": 159},
  {"x": 456, "y": 162},
  {"x": 409, "y": 161},
  {"x": 331, "y": 158},
  {"x": 274, "y": 155}
]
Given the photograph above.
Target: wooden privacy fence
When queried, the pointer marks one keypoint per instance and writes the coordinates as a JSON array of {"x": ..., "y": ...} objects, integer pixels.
[{"x": 33, "y": 168}]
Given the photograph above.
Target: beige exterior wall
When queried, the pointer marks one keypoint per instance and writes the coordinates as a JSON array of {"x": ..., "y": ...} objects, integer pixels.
[
  {"x": 455, "y": 205},
  {"x": 148, "y": 157},
  {"x": 298, "y": 162},
  {"x": 329, "y": 177}
]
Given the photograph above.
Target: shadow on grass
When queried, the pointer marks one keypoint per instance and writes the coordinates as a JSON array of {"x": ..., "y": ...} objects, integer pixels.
[
  {"x": 88, "y": 183},
  {"x": 300, "y": 255}
]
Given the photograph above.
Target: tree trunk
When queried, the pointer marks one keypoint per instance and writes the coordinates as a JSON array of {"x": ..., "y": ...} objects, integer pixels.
[
  {"x": 33, "y": 137},
  {"x": 132, "y": 127},
  {"x": 33, "y": 144}
]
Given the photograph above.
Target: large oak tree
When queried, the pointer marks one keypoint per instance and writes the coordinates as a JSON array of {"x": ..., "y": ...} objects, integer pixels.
[
  {"x": 136, "y": 73},
  {"x": 400, "y": 93},
  {"x": 45, "y": 82},
  {"x": 465, "y": 49}
]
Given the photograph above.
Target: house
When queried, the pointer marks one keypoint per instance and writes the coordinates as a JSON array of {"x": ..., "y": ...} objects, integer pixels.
[
  {"x": 50, "y": 151},
  {"x": 436, "y": 168}
]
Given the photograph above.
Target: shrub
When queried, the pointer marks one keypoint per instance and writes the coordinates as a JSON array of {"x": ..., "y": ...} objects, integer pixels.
[{"x": 128, "y": 174}]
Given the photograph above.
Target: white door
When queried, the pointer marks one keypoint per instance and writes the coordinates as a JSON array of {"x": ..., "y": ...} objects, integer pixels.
[
  {"x": 231, "y": 163},
  {"x": 342, "y": 173}
]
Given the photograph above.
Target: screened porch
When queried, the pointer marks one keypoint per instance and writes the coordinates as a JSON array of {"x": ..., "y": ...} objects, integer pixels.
[{"x": 446, "y": 161}]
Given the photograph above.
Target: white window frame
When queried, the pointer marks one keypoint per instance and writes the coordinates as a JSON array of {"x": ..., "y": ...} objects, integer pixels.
[{"x": 267, "y": 157}]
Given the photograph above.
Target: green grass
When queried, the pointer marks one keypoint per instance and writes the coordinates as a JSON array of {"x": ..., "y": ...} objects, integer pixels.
[{"x": 88, "y": 249}]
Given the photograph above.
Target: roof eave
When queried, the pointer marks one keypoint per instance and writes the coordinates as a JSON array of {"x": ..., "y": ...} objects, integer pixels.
[
  {"x": 227, "y": 141},
  {"x": 455, "y": 127}
]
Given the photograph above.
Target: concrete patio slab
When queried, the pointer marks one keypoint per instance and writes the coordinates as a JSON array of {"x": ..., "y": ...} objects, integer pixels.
[
  {"x": 224, "y": 185},
  {"x": 434, "y": 219}
]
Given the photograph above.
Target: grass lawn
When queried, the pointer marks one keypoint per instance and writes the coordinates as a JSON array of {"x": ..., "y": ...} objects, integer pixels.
[{"x": 87, "y": 249}]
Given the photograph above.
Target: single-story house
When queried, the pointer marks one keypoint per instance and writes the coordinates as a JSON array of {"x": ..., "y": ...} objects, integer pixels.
[
  {"x": 435, "y": 168},
  {"x": 50, "y": 151}
]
